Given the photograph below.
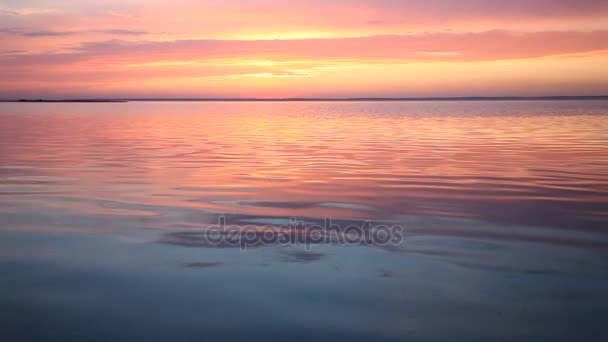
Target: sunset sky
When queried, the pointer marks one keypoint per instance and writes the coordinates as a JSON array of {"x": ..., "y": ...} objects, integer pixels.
[{"x": 314, "y": 48}]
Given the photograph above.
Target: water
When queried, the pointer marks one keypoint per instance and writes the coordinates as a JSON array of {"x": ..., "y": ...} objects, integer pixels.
[{"x": 502, "y": 209}]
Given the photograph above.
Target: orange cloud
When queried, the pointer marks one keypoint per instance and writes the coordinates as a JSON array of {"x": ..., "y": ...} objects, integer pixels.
[{"x": 492, "y": 45}]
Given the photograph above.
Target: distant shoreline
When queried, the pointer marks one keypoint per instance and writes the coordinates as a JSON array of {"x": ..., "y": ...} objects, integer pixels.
[
  {"x": 357, "y": 99},
  {"x": 62, "y": 101}
]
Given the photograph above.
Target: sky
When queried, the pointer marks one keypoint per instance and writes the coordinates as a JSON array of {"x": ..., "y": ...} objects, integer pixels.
[{"x": 314, "y": 48}]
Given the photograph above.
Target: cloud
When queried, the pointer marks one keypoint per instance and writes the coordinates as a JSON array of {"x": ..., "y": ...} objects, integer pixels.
[
  {"x": 474, "y": 9},
  {"x": 51, "y": 33},
  {"x": 208, "y": 43},
  {"x": 278, "y": 73},
  {"x": 250, "y": 19},
  {"x": 123, "y": 32},
  {"x": 461, "y": 47},
  {"x": 439, "y": 53},
  {"x": 121, "y": 14},
  {"x": 26, "y": 12},
  {"x": 26, "y": 33},
  {"x": 120, "y": 62},
  {"x": 263, "y": 18}
]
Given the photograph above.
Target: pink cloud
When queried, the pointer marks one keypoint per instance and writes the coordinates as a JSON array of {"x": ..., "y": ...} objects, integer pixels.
[{"x": 485, "y": 46}]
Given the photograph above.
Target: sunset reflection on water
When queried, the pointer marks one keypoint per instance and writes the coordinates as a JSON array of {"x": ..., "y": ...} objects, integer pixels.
[
  {"x": 538, "y": 163},
  {"x": 504, "y": 206}
]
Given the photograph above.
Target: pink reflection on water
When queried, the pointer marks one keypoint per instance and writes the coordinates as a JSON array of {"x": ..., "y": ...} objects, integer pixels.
[{"x": 541, "y": 163}]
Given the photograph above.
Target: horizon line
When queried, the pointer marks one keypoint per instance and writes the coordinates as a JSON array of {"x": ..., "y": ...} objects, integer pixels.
[{"x": 305, "y": 99}]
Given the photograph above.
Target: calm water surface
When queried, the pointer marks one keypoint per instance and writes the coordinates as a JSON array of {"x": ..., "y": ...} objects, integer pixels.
[{"x": 502, "y": 206}]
